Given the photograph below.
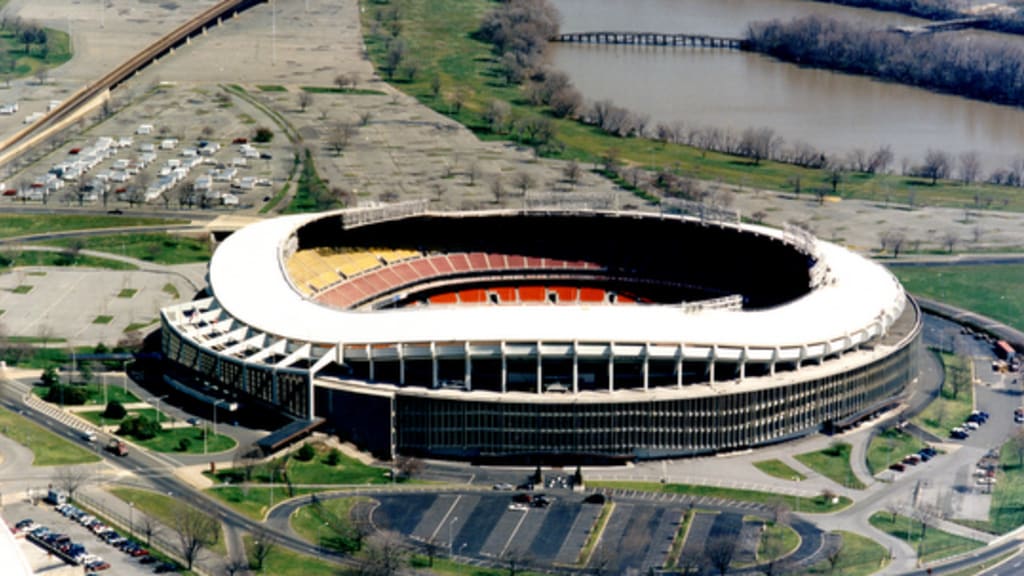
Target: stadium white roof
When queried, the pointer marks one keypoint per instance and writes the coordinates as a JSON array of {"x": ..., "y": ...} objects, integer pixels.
[{"x": 248, "y": 279}]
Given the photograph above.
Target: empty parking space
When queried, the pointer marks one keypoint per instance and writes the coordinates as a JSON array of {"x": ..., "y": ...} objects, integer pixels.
[
  {"x": 556, "y": 526},
  {"x": 402, "y": 514},
  {"x": 479, "y": 521},
  {"x": 436, "y": 513},
  {"x": 662, "y": 536},
  {"x": 577, "y": 536},
  {"x": 504, "y": 531}
]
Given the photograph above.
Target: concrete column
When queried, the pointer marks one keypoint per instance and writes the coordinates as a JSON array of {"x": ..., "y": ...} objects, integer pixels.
[
  {"x": 504, "y": 369},
  {"x": 468, "y": 378},
  {"x": 743, "y": 364},
  {"x": 369, "y": 359},
  {"x": 711, "y": 363},
  {"x": 646, "y": 366},
  {"x": 311, "y": 394},
  {"x": 434, "y": 383},
  {"x": 401, "y": 363},
  {"x": 775, "y": 359},
  {"x": 540, "y": 371},
  {"x": 575, "y": 366},
  {"x": 679, "y": 366},
  {"x": 611, "y": 367}
]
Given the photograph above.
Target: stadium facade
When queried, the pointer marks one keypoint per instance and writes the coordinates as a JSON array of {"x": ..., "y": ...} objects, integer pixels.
[{"x": 546, "y": 335}]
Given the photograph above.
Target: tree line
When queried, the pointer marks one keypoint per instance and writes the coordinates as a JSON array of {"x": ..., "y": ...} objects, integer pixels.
[
  {"x": 1011, "y": 22},
  {"x": 979, "y": 68}
]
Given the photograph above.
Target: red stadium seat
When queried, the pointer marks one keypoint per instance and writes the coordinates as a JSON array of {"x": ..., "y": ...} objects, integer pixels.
[
  {"x": 460, "y": 263},
  {"x": 496, "y": 261},
  {"x": 478, "y": 261},
  {"x": 473, "y": 296},
  {"x": 515, "y": 261},
  {"x": 444, "y": 298},
  {"x": 505, "y": 294},
  {"x": 592, "y": 295},
  {"x": 442, "y": 264},
  {"x": 566, "y": 294},
  {"x": 531, "y": 294}
]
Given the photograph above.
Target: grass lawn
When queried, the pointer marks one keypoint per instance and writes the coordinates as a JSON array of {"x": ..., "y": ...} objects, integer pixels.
[
  {"x": 171, "y": 290},
  {"x": 162, "y": 508},
  {"x": 169, "y": 441},
  {"x": 777, "y": 541},
  {"x": 1007, "y": 509},
  {"x": 833, "y": 463},
  {"x": 946, "y": 412},
  {"x": 28, "y": 63},
  {"x": 890, "y": 446},
  {"x": 48, "y": 449},
  {"x": 22, "y": 289},
  {"x": 861, "y": 556},
  {"x": 23, "y": 225},
  {"x": 594, "y": 535},
  {"x": 21, "y": 258},
  {"x": 779, "y": 469},
  {"x": 936, "y": 545},
  {"x": 807, "y": 505},
  {"x": 95, "y": 416},
  {"x": 679, "y": 540},
  {"x": 103, "y": 319},
  {"x": 253, "y": 502},
  {"x": 446, "y": 567},
  {"x": 157, "y": 247},
  {"x": 441, "y": 35},
  {"x": 127, "y": 293},
  {"x": 271, "y": 88},
  {"x": 306, "y": 520},
  {"x": 992, "y": 290},
  {"x": 136, "y": 326},
  {"x": 316, "y": 471},
  {"x": 95, "y": 392},
  {"x": 284, "y": 562}
]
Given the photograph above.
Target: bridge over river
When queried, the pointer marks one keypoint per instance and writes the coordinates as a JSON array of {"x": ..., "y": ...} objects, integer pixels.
[{"x": 651, "y": 39}]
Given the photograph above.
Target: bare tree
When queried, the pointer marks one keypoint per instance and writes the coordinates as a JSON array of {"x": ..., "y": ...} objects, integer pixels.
[
  {"x": 71, "y": 478},
  {"x": 949, "y": 240},
  {"x": 498, "y": 190},
  {"x": 880, "y": 160},
  {"x": 757, "y": 143},
  {"x": 384, "y": 555},
  {"x": 148, "y": 527},
  {"x": 970, "y": 167},
  {"x": 196, "y": 530},
  {"x": 516, "y": 560},
  {"x": 936, "y": 165},
  {"x": 893, "y": 241},
  {"x": 835, "y": 553},
  {"x": 473, "y": 173},
  {"x": 719, "y": 552},
  {"x": 339, "y": 136},
  {"x": 235, "y": 567},
  {"x": 263, "y": 543},
  {"x": 572, "y": 172},
  {"x": 523, "y": 181},
  {"x": 408, "y": 466},
  {"x": 305, "y": 100},
  {"x": 431, "y": 547},
  {"x": 497, "y": 115}
]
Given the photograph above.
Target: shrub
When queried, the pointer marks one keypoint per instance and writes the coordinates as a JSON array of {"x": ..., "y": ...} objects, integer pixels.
[
  {"x": 65, "y": 395},
  {"x": 49, "y": 377},
  {"x": 115, "y": 410},
  {"x": 140, "y": 427},
  {"x": 306, "y": 453},
  {"x": 184, "y": 444},
  {"x": 333, "y": 457},
  {"x": 263, "y": 134}
]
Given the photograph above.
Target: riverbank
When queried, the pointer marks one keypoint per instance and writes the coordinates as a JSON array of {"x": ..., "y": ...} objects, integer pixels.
[{"x": 457, "y": 75}]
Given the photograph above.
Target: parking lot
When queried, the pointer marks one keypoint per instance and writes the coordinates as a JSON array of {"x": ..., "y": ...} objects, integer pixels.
[
  {"x": 121, "y": 563},
  {"x": 493, "y": 526}
]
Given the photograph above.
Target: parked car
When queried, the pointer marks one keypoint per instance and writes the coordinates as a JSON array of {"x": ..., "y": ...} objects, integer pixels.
[{"x": 898, "y": 467}]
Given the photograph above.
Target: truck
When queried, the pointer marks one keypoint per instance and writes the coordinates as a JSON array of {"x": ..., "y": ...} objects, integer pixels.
[{"x": 117, "y": 447}]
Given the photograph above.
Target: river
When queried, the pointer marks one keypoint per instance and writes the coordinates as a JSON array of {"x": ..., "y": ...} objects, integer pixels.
[{"x": 731, "y": 89}]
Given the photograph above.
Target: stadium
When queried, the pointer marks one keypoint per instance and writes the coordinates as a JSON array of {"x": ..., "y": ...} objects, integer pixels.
[{"x": 545, "y": 335}]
